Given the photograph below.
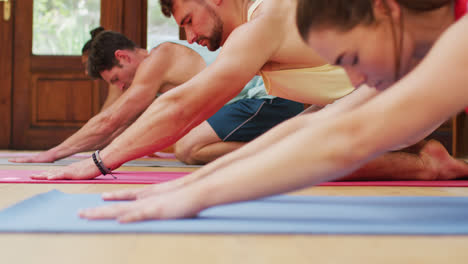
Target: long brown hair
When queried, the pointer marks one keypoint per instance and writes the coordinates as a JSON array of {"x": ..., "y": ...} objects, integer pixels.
[
  {"x": 343, "y": 15},
  {"x": 346, "y": 14}
]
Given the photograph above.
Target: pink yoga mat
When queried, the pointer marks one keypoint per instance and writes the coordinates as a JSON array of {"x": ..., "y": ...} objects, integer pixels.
[
  {"x": 454, "y": 183},
  {"x": 31, "y": 154},
  {"x": 123, "y": 177},
  {"x": 163, "y": 155},
  {"x": 144, "y": 177}
]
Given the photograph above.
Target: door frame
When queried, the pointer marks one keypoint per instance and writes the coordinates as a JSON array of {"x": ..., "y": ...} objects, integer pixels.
[
  {"x": 128, "y": 17},
  {"x": 6, "y": 74}
]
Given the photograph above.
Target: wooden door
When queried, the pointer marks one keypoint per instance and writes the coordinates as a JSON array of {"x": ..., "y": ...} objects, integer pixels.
[
  {"x": 52, "y": 97},
  {"x": 6, "y": 70}
]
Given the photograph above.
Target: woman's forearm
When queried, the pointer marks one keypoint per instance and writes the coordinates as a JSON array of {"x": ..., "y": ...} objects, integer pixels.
[
  {"x": 306, "y": 157},
  {"x": 342, "y": 144}
]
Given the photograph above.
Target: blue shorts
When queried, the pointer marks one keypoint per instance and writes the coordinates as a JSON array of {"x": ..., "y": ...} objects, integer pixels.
[{"x": 247, "y": 119}]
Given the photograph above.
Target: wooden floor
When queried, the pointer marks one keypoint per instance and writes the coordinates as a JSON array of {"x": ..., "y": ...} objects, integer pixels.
[{"x": 191, "y": 249}]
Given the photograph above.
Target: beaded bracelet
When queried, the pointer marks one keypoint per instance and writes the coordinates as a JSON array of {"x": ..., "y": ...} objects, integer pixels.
[{"x": 103, "y": 169}]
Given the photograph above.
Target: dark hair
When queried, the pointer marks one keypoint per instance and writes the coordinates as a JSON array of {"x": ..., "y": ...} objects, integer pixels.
[
  {"x": 166, "y": 7},
  {"x": 346, "y": 14},
  {"x": 93, "y": 34},
  {"x": 101, "y": 53}
]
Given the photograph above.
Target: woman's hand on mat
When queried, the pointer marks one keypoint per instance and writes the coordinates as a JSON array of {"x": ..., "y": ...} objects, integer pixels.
[
  {"x": 43, "y": 157},
  {"x": 179, "y": 204},
  {"x": 82, "y": 170}
]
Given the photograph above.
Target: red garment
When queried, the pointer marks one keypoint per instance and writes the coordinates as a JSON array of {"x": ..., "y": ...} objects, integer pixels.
[{"x": 461, "y": 8}]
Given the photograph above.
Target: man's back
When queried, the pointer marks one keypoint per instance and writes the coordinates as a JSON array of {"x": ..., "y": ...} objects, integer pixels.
[{"x": 291, "y": 51}]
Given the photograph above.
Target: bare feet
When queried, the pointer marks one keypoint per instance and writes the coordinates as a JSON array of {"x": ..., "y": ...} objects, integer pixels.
[
  {"x": 439, "y": 164},
  {"x": 424, "y": 161}
]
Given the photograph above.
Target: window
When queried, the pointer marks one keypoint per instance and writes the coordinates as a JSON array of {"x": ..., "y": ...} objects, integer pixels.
[
  {"x": 160, "y": 28},
  {"x": 61, "y": 27}
]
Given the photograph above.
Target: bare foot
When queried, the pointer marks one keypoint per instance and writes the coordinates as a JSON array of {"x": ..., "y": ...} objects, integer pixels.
[
  {"x": 416, "y": 148},
  {"x": 440, "y": 165}
]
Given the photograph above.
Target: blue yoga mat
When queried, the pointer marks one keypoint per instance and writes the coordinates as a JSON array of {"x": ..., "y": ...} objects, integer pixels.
[{"x": 56, "y": 212}]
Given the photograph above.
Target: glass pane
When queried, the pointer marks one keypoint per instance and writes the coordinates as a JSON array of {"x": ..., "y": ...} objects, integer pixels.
[
  {"x": 160, "y": 28},
  {"x": 61, "y": 27}
]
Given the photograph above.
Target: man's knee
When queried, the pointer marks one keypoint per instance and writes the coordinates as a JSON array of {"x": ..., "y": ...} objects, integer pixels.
[
  {"x": 183, "y": 151},
  {"x": 191, "y": 157},
  {"x": 187, "y": 149}
]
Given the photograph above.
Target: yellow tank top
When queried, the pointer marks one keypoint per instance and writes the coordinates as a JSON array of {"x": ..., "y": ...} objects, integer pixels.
[{"x": 318, "y": 85}]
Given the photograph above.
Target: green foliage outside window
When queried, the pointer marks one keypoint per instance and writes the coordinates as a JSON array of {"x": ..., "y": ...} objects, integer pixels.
[{"x": 61, "y": 27}]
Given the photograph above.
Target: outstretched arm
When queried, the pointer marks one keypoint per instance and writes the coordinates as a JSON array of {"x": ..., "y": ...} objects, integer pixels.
[
  {"x": 99, "y": 131},
  {"x": 113, "y": 93},
  {"x": 338, "y": 146},
  {"x": 174, "y": 113},
  {"x": 265, "y": 141},
  {"x": 181, "y": 109},
  {"x": 402, "y": 114}
]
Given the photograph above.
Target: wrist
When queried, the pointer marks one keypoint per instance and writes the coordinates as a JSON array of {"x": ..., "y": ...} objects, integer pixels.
[
  {"x": 52, "y": 154},
  {"x": 108, "y": 159},
  {"x": 100, "y": 164},
  {"x": 200, "y": 199},
  {"x": 203, "y": 195}
]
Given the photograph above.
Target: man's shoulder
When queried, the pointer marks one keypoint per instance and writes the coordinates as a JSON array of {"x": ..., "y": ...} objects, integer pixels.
[
  {"x": 165, "y": 46},
  {"x": 167, "y": 49},
  {"x": 274, "y": 8},
  {"x": 174, "y": 46},
  {"x": 174, "y": 51}
]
